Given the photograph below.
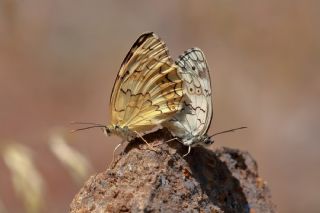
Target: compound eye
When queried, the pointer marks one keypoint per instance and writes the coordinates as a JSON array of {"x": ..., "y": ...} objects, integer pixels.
[{"x": 207, "y": 141}]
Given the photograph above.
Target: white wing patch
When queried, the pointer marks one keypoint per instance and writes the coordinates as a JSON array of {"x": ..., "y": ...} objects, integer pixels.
[{"x": 192, "y": 123}]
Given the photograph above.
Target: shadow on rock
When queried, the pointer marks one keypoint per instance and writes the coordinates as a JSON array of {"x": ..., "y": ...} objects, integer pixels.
[{"x": 217, "y": 181}]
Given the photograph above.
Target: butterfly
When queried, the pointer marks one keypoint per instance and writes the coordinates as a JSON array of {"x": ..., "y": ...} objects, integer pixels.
[
  {"x": 191, "y": 124},
  {"x": 147, "y": 90}
]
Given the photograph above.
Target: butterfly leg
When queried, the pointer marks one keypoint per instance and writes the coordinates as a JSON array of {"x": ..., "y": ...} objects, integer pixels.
[
  {"x": 160, "y": 142},
  {"x": 115, "y": 149},
  {"x": 104, "y": 130},
  {"x": 189, "y": 149},
  {"x": 172, "y": 139},
  {"x": 144, "y": 140},
  {"x": 113, "y": 154}
]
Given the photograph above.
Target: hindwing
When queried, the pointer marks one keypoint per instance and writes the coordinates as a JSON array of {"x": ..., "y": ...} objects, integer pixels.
[
  {"x": 148, "y": 89},
  {"x": 196, "y": 114}
]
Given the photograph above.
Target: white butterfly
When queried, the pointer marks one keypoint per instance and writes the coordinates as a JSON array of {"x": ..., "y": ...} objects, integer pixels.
[{"x": 191, "y": 124}]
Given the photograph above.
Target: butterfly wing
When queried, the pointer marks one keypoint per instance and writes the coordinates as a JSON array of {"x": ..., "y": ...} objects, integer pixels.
[
  {"x": 195, "y": 117},
  {"x": 147, "y": 90}
]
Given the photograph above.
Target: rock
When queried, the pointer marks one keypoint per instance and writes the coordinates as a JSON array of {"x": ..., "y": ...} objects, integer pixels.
[{"x": 142, "y": 180}]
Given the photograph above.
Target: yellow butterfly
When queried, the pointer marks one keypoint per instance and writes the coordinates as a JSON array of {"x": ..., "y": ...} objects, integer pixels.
[{"x": 146, "y": 92}]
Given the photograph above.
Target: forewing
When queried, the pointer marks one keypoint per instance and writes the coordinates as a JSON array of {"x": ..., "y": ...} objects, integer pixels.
[
  {"x": 147, "y": 90},
  {"x": 195, "y": 117}
]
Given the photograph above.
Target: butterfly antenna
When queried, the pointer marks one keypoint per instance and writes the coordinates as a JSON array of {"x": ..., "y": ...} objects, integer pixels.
[
  {"x": 93, "y": 125},
  {"x": 230, "y": 130},
  {"x": 88, "y": 127},
  {"x": 86, "y": 123}
]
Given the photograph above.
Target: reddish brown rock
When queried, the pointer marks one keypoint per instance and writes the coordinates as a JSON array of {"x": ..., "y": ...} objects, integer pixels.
[{"x": 142, "y": 180}]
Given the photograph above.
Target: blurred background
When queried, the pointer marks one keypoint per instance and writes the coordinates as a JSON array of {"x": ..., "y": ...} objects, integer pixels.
[{"x": 59, "y": 59}]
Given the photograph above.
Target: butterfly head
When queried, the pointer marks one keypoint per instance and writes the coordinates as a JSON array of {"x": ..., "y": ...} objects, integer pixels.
[
  {"x": 206, "y": 140},
  {"x": 112, "y": 129},
  {"x": 121, "y": 131},
  {"x": 192, "y": 140}
]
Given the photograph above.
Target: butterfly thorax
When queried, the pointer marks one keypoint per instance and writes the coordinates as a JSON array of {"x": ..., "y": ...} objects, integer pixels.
[
  {"x": 192, "y": 140},
  {"x": 123, "y": 132}
]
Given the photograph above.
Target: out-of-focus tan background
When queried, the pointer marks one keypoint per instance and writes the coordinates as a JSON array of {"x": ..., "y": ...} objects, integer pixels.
[{"x": 59, "y": 59}]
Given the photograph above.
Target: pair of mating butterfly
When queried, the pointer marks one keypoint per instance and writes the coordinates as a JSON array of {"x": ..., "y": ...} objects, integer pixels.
[{"x": 151, "y": 90}]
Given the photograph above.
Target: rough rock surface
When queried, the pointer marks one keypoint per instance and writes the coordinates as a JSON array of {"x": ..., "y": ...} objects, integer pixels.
[{"x": 142, "y": 180}]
